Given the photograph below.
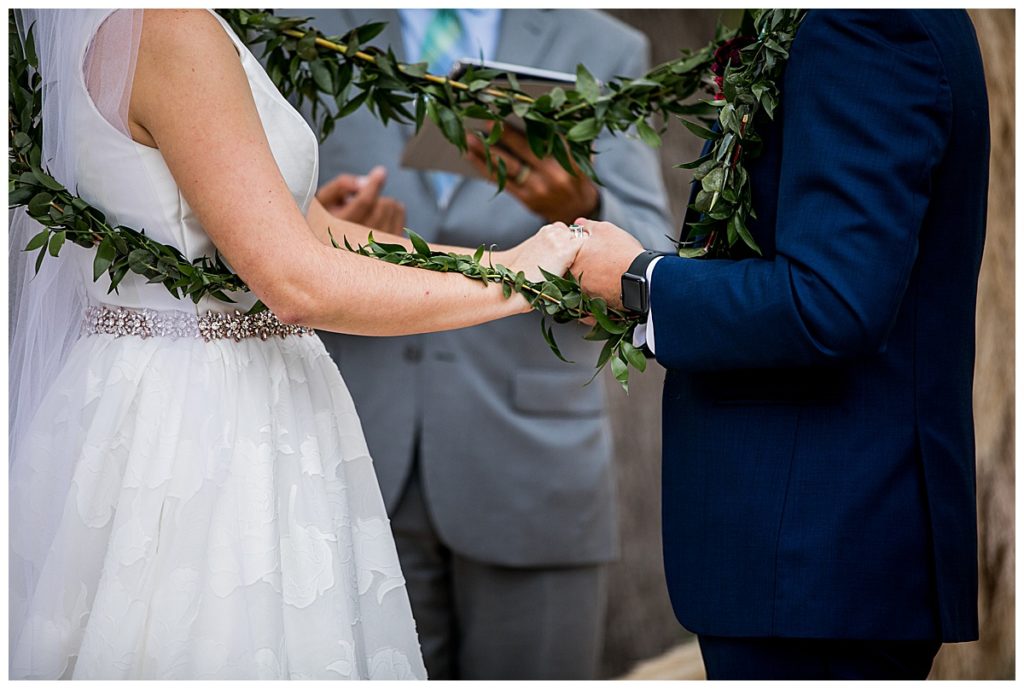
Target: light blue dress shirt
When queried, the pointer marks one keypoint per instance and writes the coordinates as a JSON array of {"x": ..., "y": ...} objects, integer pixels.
[{"x": 481, "y": 30}]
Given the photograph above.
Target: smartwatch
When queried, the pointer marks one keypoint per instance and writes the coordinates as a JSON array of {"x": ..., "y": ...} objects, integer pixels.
[{"x": 635, "y": 292}]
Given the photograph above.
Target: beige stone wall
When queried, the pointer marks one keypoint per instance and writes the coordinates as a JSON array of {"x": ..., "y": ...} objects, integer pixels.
[{"x": 640, "y": 623}]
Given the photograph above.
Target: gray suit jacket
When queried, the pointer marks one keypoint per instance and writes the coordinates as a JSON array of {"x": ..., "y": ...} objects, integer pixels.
[{"x": 515, "y": 452}]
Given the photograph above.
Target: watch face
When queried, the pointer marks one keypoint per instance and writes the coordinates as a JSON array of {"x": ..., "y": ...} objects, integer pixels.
[{"x": 632, "y": 293}]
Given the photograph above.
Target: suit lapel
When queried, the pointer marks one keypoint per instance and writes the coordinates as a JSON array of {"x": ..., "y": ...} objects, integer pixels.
[{"x": 526, "y": 36}]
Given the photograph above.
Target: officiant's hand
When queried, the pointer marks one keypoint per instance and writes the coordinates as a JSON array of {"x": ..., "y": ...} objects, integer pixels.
[
  {"x": 358, "y": 199},
  {"x": 603, "y": 258},
  {"x": 543, "y": 186}
]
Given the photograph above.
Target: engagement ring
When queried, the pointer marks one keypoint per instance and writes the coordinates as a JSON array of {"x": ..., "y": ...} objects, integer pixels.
[
  {"x": 523, "y": 173},
  {"x": 578, "y": 230}
]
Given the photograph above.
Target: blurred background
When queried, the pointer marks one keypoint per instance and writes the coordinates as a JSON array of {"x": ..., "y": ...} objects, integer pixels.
[{"x": 643, "y": 638}]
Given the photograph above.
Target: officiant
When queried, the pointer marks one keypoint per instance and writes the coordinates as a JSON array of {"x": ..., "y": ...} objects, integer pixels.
[{"x": 494, "y": 458}]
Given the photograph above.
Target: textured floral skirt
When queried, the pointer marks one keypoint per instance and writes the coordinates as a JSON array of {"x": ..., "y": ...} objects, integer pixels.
[{"x": 190, "y": 509}]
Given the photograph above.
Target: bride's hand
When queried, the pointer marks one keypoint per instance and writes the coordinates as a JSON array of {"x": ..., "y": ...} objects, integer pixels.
[{"x": 552, "y": 248}]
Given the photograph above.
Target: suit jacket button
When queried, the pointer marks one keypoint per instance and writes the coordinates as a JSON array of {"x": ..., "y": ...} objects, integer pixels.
[{"x": 413, "y": 353}]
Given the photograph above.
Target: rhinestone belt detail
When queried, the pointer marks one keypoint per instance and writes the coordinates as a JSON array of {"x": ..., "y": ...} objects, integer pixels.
[{"x": 212, "y": 325}]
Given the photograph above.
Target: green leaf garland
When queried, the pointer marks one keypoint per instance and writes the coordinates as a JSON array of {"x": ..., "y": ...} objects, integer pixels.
[{"x": 338, "y": 75}]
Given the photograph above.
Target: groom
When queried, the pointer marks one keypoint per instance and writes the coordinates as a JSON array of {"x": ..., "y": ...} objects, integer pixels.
[{"x": 818, "y": 476}]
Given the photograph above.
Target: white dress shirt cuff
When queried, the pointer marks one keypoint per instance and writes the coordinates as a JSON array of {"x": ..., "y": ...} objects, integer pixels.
[{"x": 644, "y": 334}]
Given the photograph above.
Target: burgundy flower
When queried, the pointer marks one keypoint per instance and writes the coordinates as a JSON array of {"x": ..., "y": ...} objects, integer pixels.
[{"x": 727, "y": 54}]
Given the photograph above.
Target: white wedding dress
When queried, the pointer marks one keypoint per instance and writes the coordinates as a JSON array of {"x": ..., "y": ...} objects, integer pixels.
[{"x": 218, "y": 515}]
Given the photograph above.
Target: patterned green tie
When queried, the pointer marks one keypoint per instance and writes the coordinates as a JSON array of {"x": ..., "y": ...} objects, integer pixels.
[
  {"x": 441, "y": 43},
  {"x": 442, "y": 38}
]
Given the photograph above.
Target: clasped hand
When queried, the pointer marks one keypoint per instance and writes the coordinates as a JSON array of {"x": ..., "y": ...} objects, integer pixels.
[
  {"x": 598, "y": 258},
  {"x": 603, "y": 258}
]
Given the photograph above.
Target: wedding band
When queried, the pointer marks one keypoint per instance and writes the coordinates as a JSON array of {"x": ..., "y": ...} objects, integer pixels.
[{"x": 523, "y": 174}]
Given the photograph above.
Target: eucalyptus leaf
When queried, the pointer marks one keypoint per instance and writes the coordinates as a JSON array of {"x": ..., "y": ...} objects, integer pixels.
[
  {"x": 692, "y": 252},
  {"x": 56, "y": 242},
  {"x": 691, "y": 62},
  {"x": 586, "y": 84},
  {"x": 40, "y": 203},
  {"x": 606, "y": 352},
  {"x": 620, "y": 369},
  {"x": 322, "y": 75},
  {"x": 647, "y": 134},
  {"x": 549, "y": 337},
  {"x": 47, "y": 181},
  {"x": 38, "y": 241},
  {"x": 694, "y": 163},
  {"x": 307, "y": 46},
  {"x": 606, "y": 322},
  {"x": 712, "y": 181},
  {"x": 584, "y": 130},
  {"x": 368, "y": 32},
  {"x": 354, "y": 104},
  {"x": 418, "y": 243},
  {"x": 700, "y": 131},
  {"x": 597, "y": 333},
  {"x": 634, "y": 357},
  {"x": 105, "y": 255}
]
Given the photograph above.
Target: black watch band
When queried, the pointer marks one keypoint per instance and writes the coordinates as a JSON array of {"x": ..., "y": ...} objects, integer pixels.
[{"x": 634, "y": 282}]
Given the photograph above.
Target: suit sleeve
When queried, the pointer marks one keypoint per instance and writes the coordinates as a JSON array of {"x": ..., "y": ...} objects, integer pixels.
[
  {"x": 633, "y": 195},
  {"x": 865, "y": 116}
]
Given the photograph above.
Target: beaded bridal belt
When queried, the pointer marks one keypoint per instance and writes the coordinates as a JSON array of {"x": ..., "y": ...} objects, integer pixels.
[{"x": 212, "y": 325}]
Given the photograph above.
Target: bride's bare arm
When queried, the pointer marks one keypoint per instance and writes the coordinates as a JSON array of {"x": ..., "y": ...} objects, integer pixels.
[{"x": 192, "y": 100}]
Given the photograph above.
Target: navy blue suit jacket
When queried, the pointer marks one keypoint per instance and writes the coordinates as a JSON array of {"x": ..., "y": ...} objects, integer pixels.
[{"x": 818, "y": 435}]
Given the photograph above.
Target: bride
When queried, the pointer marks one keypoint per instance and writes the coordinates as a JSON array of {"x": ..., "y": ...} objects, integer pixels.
[{"x": 190, "y": 497}]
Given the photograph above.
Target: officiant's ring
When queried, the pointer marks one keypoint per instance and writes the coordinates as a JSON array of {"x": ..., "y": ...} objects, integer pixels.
[{"x": 523, "y": 174}]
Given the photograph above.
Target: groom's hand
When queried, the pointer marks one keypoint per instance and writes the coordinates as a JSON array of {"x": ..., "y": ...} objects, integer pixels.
[
  {"x": 603, "y": 258},
  {"x": 543, "y": 186},
  {"x": 358, "y": 200}
]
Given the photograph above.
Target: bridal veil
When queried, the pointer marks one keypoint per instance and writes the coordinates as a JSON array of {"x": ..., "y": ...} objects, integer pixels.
[{"x": 46, "y": 307}]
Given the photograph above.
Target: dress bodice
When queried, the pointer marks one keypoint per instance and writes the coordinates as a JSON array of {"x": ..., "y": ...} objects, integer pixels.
[{"x": 132, "y": 185}]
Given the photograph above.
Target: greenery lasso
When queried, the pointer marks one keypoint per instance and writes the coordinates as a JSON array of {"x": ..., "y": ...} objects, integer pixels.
[{"x": 337, "y": 75}]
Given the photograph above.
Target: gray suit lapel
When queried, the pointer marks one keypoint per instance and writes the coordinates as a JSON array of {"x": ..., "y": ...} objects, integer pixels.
[{"x": 526, "y": 36}]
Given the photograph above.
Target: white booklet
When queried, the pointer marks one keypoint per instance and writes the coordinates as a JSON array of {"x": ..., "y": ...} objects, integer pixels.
[{"x": 429, "y": 150}]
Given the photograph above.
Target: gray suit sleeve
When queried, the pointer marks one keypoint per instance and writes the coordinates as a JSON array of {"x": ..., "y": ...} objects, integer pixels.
[{"x": 633, "y": 196}]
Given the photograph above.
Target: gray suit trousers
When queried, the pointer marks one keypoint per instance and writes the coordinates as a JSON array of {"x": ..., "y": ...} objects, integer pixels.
[{"x": 487, "y": 622}]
